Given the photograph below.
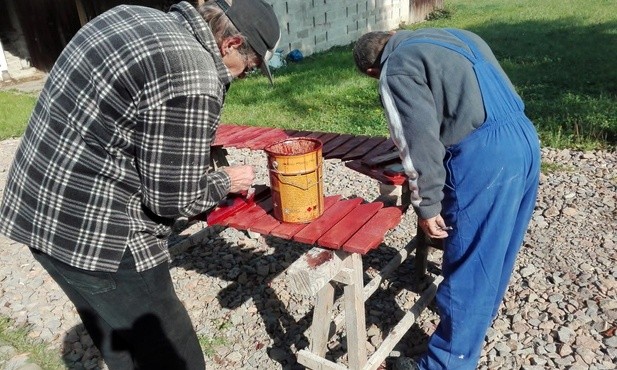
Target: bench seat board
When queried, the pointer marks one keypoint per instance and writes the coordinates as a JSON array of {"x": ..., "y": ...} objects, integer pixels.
[
  {"x": 347, "y": 227},
  {"x": 329, "y": 218},
  {"x": 287, "y": 230},
  {"x": 371, "y": 234}
]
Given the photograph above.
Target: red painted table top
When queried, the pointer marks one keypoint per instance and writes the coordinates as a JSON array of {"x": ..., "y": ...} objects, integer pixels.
[
  {"x": 375, "y": 157},
  {"x": 352, "y": 225}
]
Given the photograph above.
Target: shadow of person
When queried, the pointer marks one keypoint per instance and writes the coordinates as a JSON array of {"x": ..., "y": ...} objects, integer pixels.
[
  {"x": 78, "y": 350},
  {"x": 133, "y": 347},
  {"x": 253, "y": 270}
]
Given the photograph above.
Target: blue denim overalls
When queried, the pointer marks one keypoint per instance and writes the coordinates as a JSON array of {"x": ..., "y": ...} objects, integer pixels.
[{"x": 489, "y": 197}]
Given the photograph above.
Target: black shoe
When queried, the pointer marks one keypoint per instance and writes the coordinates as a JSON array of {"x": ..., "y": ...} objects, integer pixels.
[{"x": 405, "y": 363}]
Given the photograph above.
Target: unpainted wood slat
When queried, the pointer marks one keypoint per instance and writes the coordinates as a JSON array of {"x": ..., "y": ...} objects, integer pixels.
[
  {"x": 382, "y": 159},
  {"x": 385, "y": 147},
  {"x": 325, "y": 138},
  {"x": 301, "y": 133}
]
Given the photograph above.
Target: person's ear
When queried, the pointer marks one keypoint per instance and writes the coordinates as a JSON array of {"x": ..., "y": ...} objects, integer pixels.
[
  {"x": 230, "y": 43},
  {"x": 373, "y": 72}
]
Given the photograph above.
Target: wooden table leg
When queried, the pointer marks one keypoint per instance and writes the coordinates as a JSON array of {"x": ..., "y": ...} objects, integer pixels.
[
  {"x": 322, "y": 313},
  {"x": 355, "y": 313}
]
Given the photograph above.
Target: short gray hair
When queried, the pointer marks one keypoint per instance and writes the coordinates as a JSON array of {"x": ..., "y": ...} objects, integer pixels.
[{"x": 369, "y": 48}]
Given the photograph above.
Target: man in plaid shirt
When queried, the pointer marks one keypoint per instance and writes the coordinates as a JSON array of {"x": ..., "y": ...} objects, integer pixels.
[{"x": 118, "y": 146}]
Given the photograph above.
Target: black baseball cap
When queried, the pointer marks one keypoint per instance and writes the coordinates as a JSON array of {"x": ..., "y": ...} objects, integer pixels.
[{"x": 256, "y": 20}]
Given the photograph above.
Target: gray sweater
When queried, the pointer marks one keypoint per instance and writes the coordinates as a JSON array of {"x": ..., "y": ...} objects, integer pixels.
[{"x": 432, "y": 101}]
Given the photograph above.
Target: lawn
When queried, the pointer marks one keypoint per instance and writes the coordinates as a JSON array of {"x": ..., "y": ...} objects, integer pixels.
[{"x": 558, "y": 54}]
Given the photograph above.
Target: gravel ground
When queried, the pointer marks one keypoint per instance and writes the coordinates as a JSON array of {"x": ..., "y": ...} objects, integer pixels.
[{"x": 559, "y": 313}]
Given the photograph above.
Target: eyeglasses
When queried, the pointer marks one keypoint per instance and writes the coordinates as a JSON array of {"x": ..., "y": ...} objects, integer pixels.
[{"x": 252, "y": 64}]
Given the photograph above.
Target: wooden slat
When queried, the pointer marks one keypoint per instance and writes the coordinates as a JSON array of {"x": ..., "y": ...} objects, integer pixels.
[
  {"x": 265, "y": 139},
  {"x": 334, "y": 143},
  {"x": 385, "y": 158},
  {"x": 287, "y": 230},
  {"x": 231, "y": 206},
  {"x": 235, "y": 203},
  {"x": 327, "y": 137},
  {"x": 245, "y": 218},
  {"x": 301, "y": 133},
  {"x": 384, "y": 147},
  {"x": 372, "y": 233},
  {"x": 361, "y": 150},
  {"x": 315, "y": 134},
  {"x": 239, "y": 138},
  {"x": 347, "y": 146},
  {"x": 376, "y": 173},
  {"x": 224, "y": 132},
  {"x": 331, "y": 216},
  {"x": 264, "y": 224},
  {"x": 346, "y": 227}
]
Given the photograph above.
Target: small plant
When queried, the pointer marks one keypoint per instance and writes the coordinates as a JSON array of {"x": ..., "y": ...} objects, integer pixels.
[
  {"x": 547, "y": 168},
  {"x": 37, "y": 351},
  {"x": 438, "y": 14},
  {"x": 209, "y": 345}
]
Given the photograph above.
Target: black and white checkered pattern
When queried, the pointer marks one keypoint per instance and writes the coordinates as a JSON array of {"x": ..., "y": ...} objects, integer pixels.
[{"x": 119, "y": 142}]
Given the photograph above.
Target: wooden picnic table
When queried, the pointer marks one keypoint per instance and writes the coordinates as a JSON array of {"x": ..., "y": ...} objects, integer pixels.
[{"x": 347, "y": 229}]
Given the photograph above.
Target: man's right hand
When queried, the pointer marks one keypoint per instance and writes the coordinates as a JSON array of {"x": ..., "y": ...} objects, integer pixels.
[
  {"x": 434, "y": 227},
  {"x": 242, "y": 177}
]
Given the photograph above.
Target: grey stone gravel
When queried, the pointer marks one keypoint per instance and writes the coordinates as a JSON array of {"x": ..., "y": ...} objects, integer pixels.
[{"x": 559, "y": 313}]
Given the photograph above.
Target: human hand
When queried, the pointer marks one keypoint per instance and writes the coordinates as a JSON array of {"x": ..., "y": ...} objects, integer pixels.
[
  {"x": 434, "y": 227},
  {"x": 242, "y": 177}
]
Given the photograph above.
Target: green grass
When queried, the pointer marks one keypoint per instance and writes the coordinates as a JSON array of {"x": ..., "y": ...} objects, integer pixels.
[
  {"x": 15, "y": 109},
  {"x": 37, "y": 351},
  {"x": 40, "y": 353},
  {"x": 548, "y": 168},
  {"x": 558, "y": 54}
]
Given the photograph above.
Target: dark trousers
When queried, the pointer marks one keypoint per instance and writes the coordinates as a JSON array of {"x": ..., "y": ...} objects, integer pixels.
[{"x": 134, "y": 318}]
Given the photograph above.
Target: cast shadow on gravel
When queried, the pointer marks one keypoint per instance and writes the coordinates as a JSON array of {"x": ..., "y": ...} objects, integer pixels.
[{"x": 251, "y": 269}]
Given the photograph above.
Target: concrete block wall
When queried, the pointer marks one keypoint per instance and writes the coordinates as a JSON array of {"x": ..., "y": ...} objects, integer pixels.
[{"x": 317, "y": 25}]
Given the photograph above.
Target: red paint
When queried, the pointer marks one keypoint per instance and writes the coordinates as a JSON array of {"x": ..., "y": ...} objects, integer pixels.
[{"x": 318, "y": 260}]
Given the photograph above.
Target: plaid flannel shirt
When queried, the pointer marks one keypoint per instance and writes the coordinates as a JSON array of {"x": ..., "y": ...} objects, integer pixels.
[{"x": 118, "y": 145}]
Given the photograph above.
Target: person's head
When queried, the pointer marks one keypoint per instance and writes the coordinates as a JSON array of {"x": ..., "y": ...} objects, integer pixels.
[
  {"x": 368, "y": 50},
  {"x": 246, "y": 32}
]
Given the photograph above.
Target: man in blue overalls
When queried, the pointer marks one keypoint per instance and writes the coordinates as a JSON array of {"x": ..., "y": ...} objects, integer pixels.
[{"x": 473, "y": 162}]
